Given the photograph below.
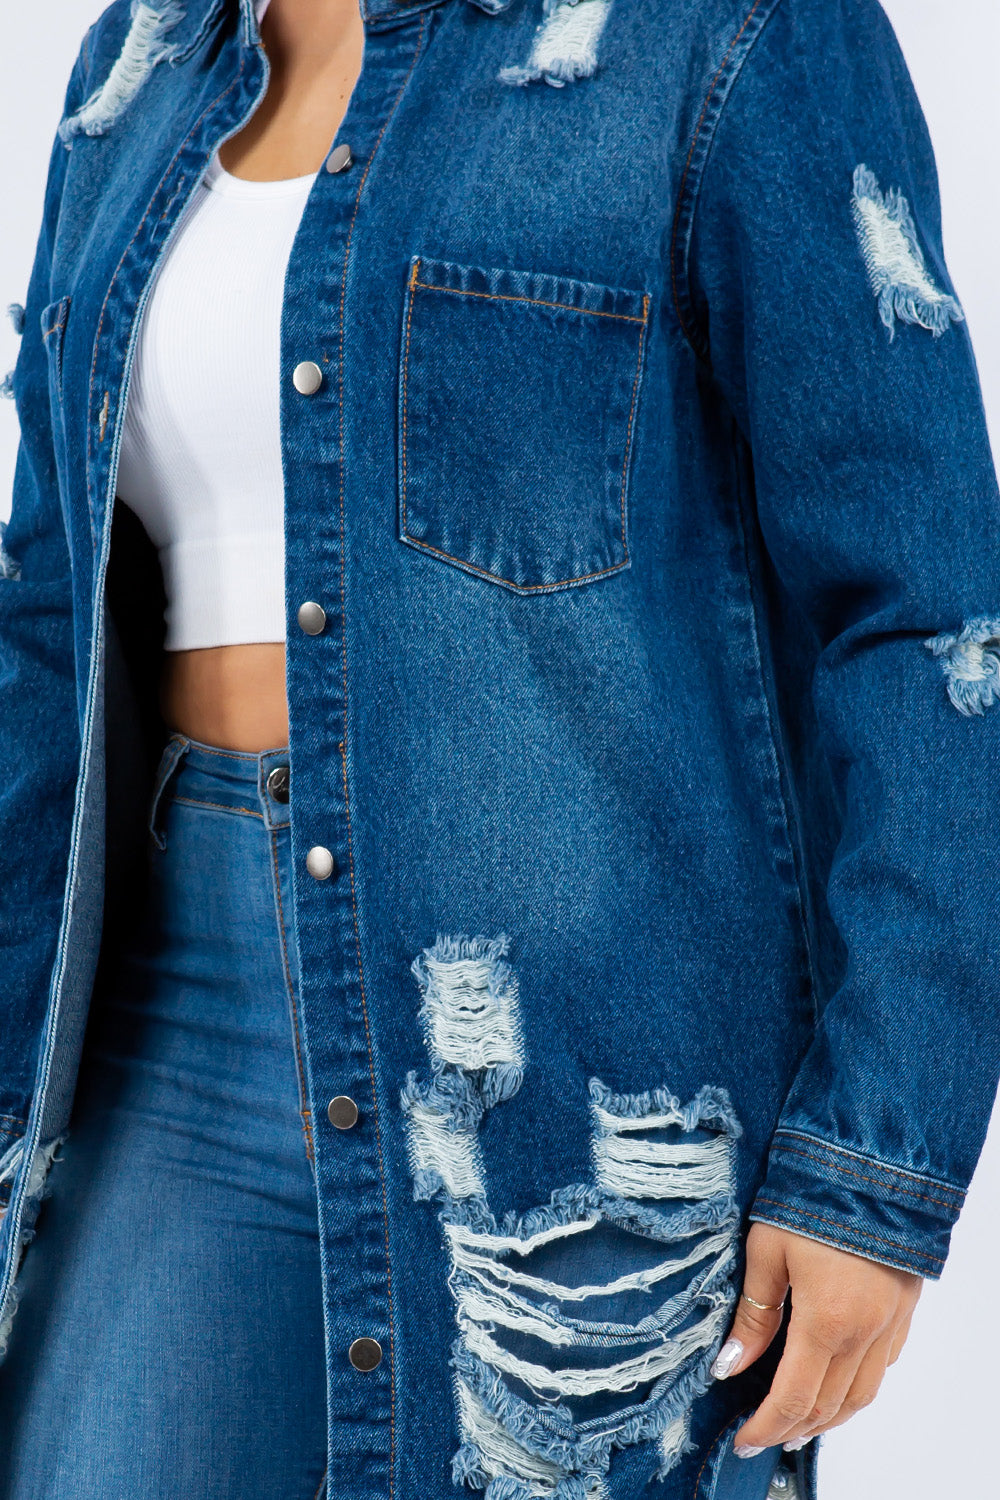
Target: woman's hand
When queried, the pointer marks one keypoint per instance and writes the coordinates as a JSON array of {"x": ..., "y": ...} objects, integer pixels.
[{"x": 850, "y": 1318}]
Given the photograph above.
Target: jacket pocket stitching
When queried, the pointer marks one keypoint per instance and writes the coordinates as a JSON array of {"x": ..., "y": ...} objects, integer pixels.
[
  {"x": 590, "y": 312},
  {"x": 415, "y": 284}
]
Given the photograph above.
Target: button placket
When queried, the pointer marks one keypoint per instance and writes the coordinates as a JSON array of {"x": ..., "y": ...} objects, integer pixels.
[{"x": 350, "y": 1169}]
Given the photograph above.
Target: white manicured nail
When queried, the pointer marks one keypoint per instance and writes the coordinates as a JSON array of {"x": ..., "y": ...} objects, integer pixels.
[{"x": 727, "y": 1359}]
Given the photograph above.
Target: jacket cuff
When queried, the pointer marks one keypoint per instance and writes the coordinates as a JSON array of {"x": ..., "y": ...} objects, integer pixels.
[{"x": 854, "y": 1202}]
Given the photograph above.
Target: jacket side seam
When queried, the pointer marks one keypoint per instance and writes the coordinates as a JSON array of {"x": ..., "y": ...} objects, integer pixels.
[
  {"x": 765, "y": 678},
  {"x": 719, "y": 92}
]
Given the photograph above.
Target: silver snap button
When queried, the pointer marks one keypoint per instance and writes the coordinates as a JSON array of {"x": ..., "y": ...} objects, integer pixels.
[
  {"x": 343, "y": 1112},
  {"x": 307, "y": 377},
  {"x": 312, "y": 617},
  {"x": 319, "y": 862},
  {"x": 365, "y": 1354},
  {"x": 278, "y": 782},
  {"x": 340, "y": 158}
]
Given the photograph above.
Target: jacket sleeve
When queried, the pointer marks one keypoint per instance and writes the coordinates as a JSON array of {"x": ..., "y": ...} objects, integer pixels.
[
  {"x": 822, "y": 310},
  {"x": 39, "y": 730}
]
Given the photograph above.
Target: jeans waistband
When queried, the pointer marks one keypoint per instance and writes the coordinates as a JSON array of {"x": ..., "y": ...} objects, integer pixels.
[{"x": 256, "y": 783}]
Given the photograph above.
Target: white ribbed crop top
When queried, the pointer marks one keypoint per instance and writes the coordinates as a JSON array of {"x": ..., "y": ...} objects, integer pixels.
[{"x": 200, "y": 459}]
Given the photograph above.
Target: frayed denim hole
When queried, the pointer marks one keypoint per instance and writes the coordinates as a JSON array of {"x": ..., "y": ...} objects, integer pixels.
[
  {"x": 588, "y": 1323},
  {"x": 143, "y": 49},
  {"x": 896, "y": 266},
  {"x": 564, "y": 46},
  {"x": 970, "y": 661}
]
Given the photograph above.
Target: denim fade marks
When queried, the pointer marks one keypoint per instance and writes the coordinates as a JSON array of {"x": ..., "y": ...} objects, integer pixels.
[
  {"x": 565, "y": 43},
  {"x": 142, "y": 49},
  {"x": 902, "y": 285},
  {"x": 614, "y": 1284},
  {"x": 970, "y": 662}
]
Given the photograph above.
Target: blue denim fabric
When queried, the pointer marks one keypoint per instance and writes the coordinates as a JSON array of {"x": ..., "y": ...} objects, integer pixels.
[
  {"x": 171, "y": 1341},
  {"x": 642, "y": 719}
]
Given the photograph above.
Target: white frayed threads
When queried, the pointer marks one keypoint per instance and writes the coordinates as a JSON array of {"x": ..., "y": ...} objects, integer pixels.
[
  {"x": 894, "y": 260},
  {"x": 662, "y": 1359},
  {"x": 971, "y": 664},
  {"x": 11, "y": 1159},
  {"x": 142, "y": 49},
  {"x": 565, "y": 46},
  {"x": 470, "y": 1007},
  {"x": 474, "y": 1255},
  {"x": 673, "y": 1441},
  {"x": 491, "y": 1299},
  {"x": 656, "y": 1169},
  {"x": 451, "y": 1155},
  {"x": 498, "y": 1453}
]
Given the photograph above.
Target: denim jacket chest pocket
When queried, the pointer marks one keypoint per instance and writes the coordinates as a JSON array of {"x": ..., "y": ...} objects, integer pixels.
[{"x": 518, "y": 394}]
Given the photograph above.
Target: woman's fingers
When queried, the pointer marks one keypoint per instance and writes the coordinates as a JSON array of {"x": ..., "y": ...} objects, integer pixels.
[
  {"x": 753, "y": 1328},
  {"x": 864, "y": 1387},
  {"x": 790, "y": 1404},
  {"x": 844, "y": 1307},
  {"x": 850, "y": 1384}
]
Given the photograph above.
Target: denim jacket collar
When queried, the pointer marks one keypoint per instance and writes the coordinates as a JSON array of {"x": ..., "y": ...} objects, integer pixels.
[{"x": 375, "y": 12}]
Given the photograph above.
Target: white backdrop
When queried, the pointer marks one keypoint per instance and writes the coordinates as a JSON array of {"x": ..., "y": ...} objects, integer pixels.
[{"x": 929, "y": 1433}]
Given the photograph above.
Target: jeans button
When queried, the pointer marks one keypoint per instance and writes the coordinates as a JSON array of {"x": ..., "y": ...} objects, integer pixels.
[
  {"x": 278, "y": 783},
  {"x": 343, "y": 1112},
  {"x": 311, "y": 617},
  {"x": 365, "y": 1354},
  {"x": 320, "y": 862}
]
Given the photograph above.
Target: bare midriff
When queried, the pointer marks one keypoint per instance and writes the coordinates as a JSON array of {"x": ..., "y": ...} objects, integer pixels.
[{"x": 235, "y": 696}]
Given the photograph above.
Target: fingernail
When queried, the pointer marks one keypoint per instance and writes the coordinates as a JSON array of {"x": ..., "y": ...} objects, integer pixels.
[
  {"x": 796, "y": 1444},
  {"x": 747, "y": 1450},
  {"x": 727, "y": 1359}
]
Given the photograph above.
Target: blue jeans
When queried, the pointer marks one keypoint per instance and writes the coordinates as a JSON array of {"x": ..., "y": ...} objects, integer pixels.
[{"x": 191, "y": 1362}]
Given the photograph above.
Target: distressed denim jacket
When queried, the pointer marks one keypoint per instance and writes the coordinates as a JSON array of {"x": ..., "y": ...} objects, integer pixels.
[{"x": 643, "y": 654}]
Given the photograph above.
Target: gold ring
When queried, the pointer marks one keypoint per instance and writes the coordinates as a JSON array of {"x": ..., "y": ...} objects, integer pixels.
[{"x": 764, "y": 1306}]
